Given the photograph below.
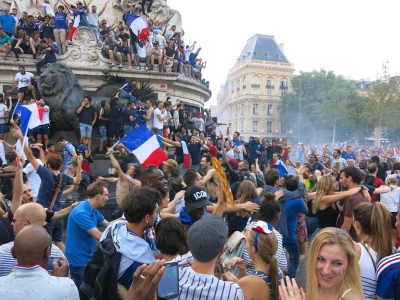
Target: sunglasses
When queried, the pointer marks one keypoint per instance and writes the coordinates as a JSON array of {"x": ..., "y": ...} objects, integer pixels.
[{"x": 260, "y": 227}]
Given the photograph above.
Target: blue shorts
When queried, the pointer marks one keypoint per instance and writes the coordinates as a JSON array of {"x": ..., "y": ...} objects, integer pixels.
[
  {"x": 127, "y": 129},
  {"x": 44, "y": 129},
  {"x": 103, "y": 132},
  {"x": 55, "y": 228},
  {"x": 2, "y": 129},
  {"x": 86, "y": 130}
]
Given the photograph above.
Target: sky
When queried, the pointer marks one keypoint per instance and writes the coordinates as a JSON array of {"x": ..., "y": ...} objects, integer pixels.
[{"x": 353, "y": 38}]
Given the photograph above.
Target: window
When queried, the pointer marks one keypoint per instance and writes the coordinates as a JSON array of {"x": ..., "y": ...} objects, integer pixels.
[
  {"x": 268, "y": 55},
  {"x": 241, "y": 126},
  {"x": 283, "y": 85},
  {"x": 269, "y": 126},
  {"x": 238, "y": 85},
  {"x": 242, "y": 110},
  {"x": 255, "y": 82},
  {"x": 279, "y": 56},
  {"x": 269, "y": 109},
  {"x": 283, "y": 127},
  {"x": 270, "y": 83},
  {"x": 255, "y": 126},
  {"x": 269, "y": 92},
  {"x": 244, "y": 82},
  {"x": 255, "y": 109}
]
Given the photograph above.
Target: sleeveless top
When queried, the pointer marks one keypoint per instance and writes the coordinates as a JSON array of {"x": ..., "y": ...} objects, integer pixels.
[
  {"x": 327, "y": 217},
  {"x": 367, "y": 264},
  {"x": 266, "y": 279},
  {"x": 344, "y": 294}
]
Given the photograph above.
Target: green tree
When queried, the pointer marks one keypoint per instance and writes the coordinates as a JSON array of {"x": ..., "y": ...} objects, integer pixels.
[{"x": 324, "y": 106}]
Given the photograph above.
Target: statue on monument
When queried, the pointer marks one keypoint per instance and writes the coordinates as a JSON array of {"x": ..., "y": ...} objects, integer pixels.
[{"x": 156, "y": 10}]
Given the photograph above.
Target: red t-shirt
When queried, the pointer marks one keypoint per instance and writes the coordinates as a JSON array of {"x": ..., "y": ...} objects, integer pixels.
[{"x": 377, "y": 183}]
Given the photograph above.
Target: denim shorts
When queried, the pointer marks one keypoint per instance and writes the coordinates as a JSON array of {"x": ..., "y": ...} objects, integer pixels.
[
  {"x": 86, "y": 130},
  {"x": 2, "y": 128},
  {"x": 44, "y": 129},
  {"x": 103, "y": 132}
]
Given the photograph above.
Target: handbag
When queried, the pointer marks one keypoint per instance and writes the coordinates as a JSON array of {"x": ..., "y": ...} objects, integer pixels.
[
  {"x": 56, "y": 192},
  {"x": 234, "y": 248}
]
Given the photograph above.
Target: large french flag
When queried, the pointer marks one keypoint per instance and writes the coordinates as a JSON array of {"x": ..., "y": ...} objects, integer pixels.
[
  {"x": 186, "y": 155},
  {"x": 138, "y": 26},
  {"x": 144, "y": 145},
  {"x": 280, "y": 166},
  {"x": 29, "y": 117}
]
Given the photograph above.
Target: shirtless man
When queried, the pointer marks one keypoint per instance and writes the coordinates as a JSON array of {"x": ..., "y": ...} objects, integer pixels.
[{"x": 125, "y": 182}]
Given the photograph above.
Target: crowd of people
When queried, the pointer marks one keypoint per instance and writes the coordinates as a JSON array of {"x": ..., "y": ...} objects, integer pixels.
[
  {"x": 46, "y": 37},
  {"x": 339, "y": 201}
]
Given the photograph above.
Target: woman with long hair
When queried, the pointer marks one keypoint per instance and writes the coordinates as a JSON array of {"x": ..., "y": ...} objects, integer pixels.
[
  {"x": 261, "y": 244},
  {"x": 324, "y": 202},
  {"x": 246, "y": 192},
  {"x": 332, "y": 270},
  {"x": 372, "y": 223},
  {"x": 24, "y": 46}
]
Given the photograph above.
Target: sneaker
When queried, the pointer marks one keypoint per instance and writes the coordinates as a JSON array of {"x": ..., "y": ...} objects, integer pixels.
[
  {"x": 112, "y": 65},
  {"x": 138, "y": 68},
  {"x": 120, "y": 66},
  {"x": 146, "y": 68}
]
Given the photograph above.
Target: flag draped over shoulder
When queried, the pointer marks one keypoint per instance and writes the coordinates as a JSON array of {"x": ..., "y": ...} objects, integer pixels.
[
  {"x": 29, "y": 117},
  {"x": 186, "y": 155},
  {"x": 144, "y": 145},
  {"x": 280, "y": 166}
]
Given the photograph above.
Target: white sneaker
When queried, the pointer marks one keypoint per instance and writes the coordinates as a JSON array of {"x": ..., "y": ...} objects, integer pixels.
[
  {"x": 112, "y": 65},
  {"x": 138, "y": 68},
  {"x": 120, "y": 66},
  {"x": 146, "y": 68}
]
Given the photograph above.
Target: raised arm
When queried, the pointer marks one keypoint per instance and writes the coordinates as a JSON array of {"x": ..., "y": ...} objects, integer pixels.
[
  {"x": 174, "y": 143},
  {"x": 115, "y": 164},
  {"x": 18, "y": 187},
  {"x": 104, "y": 7},
  {"x": 77, "y": 177}
]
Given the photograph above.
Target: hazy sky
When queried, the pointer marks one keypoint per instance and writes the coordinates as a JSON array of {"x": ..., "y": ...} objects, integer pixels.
[{"x": 352, "y": 38}]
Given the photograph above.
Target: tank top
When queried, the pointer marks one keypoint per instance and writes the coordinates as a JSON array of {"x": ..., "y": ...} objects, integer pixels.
[
  {"x": 344, "y": 294},
  {"x": 266, "y": 279},
  {"x": 367, "y": 264},
  {"x": 327, "y": 217}
]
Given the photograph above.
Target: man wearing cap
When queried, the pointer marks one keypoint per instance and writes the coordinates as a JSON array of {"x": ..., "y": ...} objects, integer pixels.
[
  {"x": 155, "y": 55},
  {"x": 123, "y": 51},
  {"x": 206, "y": 239},
  {"x": 8, "y": 23}
]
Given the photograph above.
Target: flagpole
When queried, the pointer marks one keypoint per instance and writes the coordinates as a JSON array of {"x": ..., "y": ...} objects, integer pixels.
[{"x": 116, "y": 143}]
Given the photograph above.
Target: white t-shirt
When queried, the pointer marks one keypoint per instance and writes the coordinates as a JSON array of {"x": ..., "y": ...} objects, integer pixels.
[
  {"x": 46, "y": 116},
  {"x": 24, "y": 80},
  {"x": 93, "y": 18},
  {"x": 141, "y": 51},
  {"x": 3, "y": 110},
  {"x": 157, "y": 123},
  {"x": 198, "y": 123},
  {"x": 48, "y": 9},
  {"x": 33, "y": 179},
  {"x": 391, "y": 200}
]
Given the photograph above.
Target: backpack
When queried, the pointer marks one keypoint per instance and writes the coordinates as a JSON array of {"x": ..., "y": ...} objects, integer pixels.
[
  {"x": 234, "y": 248},
  {"x": 100, "y": 276}
]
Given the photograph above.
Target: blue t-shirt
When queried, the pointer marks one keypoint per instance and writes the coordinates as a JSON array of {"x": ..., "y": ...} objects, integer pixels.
[
  {"x": 48, "y": 186},
  {"x": 126, "y": 87},
  {"x": 80, "y": 244},
  {"x": 60, "y": 20},
  {"x": 126, "y": 113},
  {"x": 388, "y": 277},
  {"x": 68, "y": 150},
  {"x": 292, "y": 209},
  {"x": 254, "y": 147},
  {"x": 7, "y": 23}
]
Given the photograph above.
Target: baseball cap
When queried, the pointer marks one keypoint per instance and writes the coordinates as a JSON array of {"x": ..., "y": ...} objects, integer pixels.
[
  {"x": 206, "y": 237},
  {"x": 197, "y": 196}
]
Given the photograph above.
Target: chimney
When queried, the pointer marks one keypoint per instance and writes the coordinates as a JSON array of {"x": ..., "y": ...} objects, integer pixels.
[{"x": 282, "y": 47}]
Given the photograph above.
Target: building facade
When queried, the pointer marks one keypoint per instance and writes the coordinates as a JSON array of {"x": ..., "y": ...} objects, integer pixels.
[{"x": 250, "y": 97}]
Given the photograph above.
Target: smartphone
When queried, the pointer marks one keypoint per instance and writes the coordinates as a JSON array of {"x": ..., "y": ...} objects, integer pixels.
[{"x": 168, "y": 287}]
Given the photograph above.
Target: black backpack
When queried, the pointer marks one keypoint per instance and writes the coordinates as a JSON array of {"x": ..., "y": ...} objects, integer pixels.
[{"x": 100, "y": 277}]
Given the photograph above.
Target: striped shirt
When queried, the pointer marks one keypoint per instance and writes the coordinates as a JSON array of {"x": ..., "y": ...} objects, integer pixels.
[
  {"x": 196, "y": 286},
  {"x": 279, "y": 255},
  {"x": 388, "y": 273},
  {"x": 7, "y": 261}
]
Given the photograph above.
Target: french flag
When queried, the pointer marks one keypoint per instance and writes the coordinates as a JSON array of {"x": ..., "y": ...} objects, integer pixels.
[
  {"x": 186, "y": 155},
  {"x": 139, "y": 27},
  {"x": 144, "y": 145},
  {"x": 280, "y": 166},
  {"x": 29, "y": 117}
]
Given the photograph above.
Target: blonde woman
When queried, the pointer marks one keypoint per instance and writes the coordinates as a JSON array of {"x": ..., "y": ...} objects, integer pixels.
[
  {"x": 372, "y": 223},
  {"x": 324, "y": 202},
  {"x": 332, "y": 270},
  {"x": 246, "y": 192},
  {"x": 261, "y": 244}
]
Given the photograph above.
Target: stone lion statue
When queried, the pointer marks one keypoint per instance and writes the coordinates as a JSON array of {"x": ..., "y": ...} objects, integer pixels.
[{"x": 63, "y": 93}]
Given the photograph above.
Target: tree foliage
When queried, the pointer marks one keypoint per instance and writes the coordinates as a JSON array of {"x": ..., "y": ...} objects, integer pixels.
[{"x": 324, "y": 107}]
